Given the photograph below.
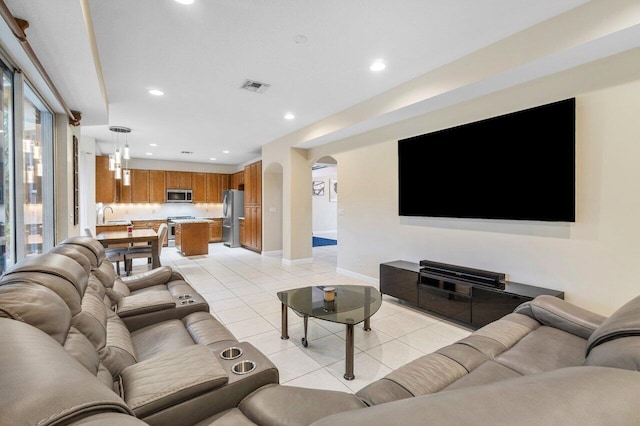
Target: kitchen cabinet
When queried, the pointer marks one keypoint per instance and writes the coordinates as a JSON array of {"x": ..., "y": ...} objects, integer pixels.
[
  {"x": 199, "y": 187},
  {"x": 243, "y": 234},
  {"x": 192, "y": 238},
  {"x": 252, "y": 207},
  {"x": 139, "y": 186},
  {"x": 216, "y": 185},
  {"x": 178, "y": 180},
  {"x": 123, "y": 193},
  {"x": 237, "y": 181},
  {"x": 215, "y": 231},
  {"x": 105, "y": 183},
  {"x": 157, "y": 186}
]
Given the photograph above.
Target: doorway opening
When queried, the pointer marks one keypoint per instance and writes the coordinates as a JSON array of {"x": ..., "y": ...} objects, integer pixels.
[{"x": 324, "y": 176}]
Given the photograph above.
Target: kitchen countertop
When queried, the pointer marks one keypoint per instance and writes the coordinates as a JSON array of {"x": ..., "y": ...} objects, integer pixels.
[{"x": 182, "y": 221}]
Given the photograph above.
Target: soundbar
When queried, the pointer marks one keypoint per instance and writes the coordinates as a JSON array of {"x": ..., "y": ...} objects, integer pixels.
[{"x": 472, "y": 275}]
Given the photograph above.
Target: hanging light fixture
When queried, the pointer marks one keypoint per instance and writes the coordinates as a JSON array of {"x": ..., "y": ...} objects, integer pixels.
[
  {"x": 112, "y": 162},
  {"x": 119, "y": 155},
  {"x": 39, "y": 169}
]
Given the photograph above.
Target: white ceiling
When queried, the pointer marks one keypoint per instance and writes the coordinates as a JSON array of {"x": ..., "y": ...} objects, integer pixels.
[{"x": 200, "y": 55}]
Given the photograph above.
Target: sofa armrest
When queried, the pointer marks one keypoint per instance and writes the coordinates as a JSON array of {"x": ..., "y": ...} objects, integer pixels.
[
  {"x": 567, "y": 396},
  {"x": 557, "y": 313},
  {"x": 139, "y": 304},
  {"x": 157, "y": 383},
  {"x": 150, "y": 278}
]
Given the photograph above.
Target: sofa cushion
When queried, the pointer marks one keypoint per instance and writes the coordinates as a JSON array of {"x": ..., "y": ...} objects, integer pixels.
[
  {"x": 160, "y": 338},
  {"x": 275, "y": 405},
  {"x": 487, "y": 372},
  {"x": 544, "y": 349},
  {"x": 619, "y": 353},
  {"x": 38, "y": 306},
  {"x": 622, "y": 323},
  {"x": 381, "y": 391}
]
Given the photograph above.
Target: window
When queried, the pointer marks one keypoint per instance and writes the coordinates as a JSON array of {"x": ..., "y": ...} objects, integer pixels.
[
  {"x": 6, "y": 171},
  {"x": 37, "y": 164}
]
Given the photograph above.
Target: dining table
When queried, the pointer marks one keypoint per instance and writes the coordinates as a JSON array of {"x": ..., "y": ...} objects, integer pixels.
[{"x": 149, "y": 236}]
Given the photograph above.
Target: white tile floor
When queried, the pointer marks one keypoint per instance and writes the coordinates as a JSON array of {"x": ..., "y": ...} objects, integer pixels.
[{"x": 241, "y": 288}]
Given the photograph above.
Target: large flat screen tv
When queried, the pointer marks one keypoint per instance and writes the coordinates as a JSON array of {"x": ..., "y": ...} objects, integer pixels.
[{"x": 518, "y": 166}]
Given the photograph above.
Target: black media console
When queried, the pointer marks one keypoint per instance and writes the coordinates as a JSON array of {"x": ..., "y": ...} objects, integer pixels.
[{"x": 471, "y": 296}]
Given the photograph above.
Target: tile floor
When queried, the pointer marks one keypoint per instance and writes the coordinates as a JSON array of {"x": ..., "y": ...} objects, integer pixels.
[{"x": 241, "y": 288}]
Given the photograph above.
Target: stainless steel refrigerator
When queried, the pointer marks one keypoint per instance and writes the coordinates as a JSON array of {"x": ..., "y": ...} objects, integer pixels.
[{"x": 232, "y": 210}]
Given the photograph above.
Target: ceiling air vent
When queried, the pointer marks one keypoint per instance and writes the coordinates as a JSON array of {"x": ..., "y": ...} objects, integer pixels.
[{"x": 255, "y": 86}]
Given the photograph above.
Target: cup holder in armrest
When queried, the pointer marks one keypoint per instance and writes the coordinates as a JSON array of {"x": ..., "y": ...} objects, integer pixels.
[
  {"x": 231, "y": 353},
  {"x": 243, "y": 367},
  {"x": 185, "y": 296},
  {"x": 187, "y": 301}
]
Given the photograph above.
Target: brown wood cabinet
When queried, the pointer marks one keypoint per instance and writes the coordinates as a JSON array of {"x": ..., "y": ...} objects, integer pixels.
[
  {"x": 139, "y": 186},
  {"x": 216, "y": 185},
  {"x": 252, "y": 207},
  {"x": 237, "y": 181},
  {"x": 105, "y": 183},
  {"x": 157, "y": 186},
  {"x": 192, "y": 238},
  {"x": 215, "y": 230},
  {"x": 243, "y": 234},
  {"x": 199, "y": 187},
  {"x": 123, "y": 193},
  {"x": 178, "y": 180}
]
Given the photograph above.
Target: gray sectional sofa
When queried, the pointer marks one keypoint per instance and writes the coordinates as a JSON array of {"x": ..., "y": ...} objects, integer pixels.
[{"x": 80, "y": 346}]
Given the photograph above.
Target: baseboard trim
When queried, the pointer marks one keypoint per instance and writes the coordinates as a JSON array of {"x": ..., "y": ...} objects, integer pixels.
[
  {"x": 294, "y": 262},
  {"x": 361, "y": 277},
  {"x": 273, "y": 253}
]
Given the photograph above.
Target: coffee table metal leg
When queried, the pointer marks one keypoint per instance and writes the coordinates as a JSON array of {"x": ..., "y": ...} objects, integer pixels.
[
  {"x": 285, "y": 326},
  {"x": 367, "y": 324},
  {"x": 348, "y": 374},
  {"x": 305, "y": 342}
]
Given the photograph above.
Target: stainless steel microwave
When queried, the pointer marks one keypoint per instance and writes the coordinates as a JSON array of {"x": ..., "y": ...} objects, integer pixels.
[{"x": 179, "y": 196}]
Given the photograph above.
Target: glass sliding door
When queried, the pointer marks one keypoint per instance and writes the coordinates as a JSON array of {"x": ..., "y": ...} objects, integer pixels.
[
  {"x": 6, "y": 172},
  {"x": 36, "y": 235}
]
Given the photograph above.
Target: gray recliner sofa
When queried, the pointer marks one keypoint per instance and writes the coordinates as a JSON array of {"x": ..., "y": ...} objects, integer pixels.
[{"x": 549, "y": 362}]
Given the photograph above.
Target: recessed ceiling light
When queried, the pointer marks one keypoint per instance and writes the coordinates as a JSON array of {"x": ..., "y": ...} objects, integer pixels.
[
  {"x": 225, "y": 151},
  {"x": 212, "y": 159},
  {"x": 378, "y": 65},
  {"x": 289, "y": 116},
  {"x": 148, "y": 153},
  {"x": 156, "y": 92},
  {"x": 153, "y": 144},
  {"x": 185, "y": 1}
]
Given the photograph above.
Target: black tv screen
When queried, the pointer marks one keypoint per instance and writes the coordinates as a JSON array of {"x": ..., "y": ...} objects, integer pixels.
[{"x": 518, "y": 166}]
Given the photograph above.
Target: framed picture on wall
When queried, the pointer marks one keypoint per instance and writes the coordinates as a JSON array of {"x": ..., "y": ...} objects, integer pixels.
[
  {"x": 333, "y": 190},
  {"x": 318, "y": 188}
]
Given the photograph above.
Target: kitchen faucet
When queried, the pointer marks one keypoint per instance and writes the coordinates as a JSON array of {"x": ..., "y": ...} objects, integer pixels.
[{"x": 104, "y": 213}]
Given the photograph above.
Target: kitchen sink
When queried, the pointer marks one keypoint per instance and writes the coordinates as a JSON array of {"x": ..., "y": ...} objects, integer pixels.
[{"x": 118, "y": 222}]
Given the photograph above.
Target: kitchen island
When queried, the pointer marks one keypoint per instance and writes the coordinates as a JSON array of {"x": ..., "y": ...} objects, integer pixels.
[{"x": 192, "y": 236}]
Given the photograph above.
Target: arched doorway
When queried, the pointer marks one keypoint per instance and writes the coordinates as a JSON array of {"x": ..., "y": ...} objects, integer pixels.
[
  {"x": 324, "y": 176},
  {"x": 272, "y": 211}
]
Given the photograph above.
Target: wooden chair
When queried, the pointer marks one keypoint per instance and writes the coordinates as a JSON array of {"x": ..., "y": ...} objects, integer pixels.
[
  {"x": 114, "y": 254},
  {"x": 139, "y": 252}
]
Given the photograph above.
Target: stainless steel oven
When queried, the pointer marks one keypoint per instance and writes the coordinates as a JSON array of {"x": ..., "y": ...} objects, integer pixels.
[{"x": 171, "y": 226}]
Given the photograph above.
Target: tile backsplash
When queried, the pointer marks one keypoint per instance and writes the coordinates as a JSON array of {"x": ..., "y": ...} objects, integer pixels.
[{"x": 161, "y": 211}]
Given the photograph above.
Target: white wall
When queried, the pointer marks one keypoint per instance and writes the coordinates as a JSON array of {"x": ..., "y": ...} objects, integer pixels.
[
  {"x": 325, "y": 212},
  {"x": 593, "y": 260}
]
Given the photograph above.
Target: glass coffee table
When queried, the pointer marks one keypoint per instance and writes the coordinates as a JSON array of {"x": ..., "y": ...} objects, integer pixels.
[{"x": 352, "y": 305}]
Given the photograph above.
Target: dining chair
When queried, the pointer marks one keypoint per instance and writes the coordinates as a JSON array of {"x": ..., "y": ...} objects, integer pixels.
[
  {"x": 139, "y": 252},
  {"x": 114, "y": 254}
]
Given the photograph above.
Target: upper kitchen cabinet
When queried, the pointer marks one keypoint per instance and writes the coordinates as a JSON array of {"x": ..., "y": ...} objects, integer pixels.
[
  {"x": 178, "y": 180},
  {"x": 237, "y": 181},
  {"x": 216, "y": 185},
  {"x": 139, "y": 186},
  {"x": 253, "y": 183},
  {"x": 105, "y": 183},
  {"x": 157, "y": 186},
  {"x": 199, "y": 187}
]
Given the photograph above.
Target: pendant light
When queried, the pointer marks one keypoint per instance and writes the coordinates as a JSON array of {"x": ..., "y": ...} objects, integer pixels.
[{"x": 119, "y": 155}]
